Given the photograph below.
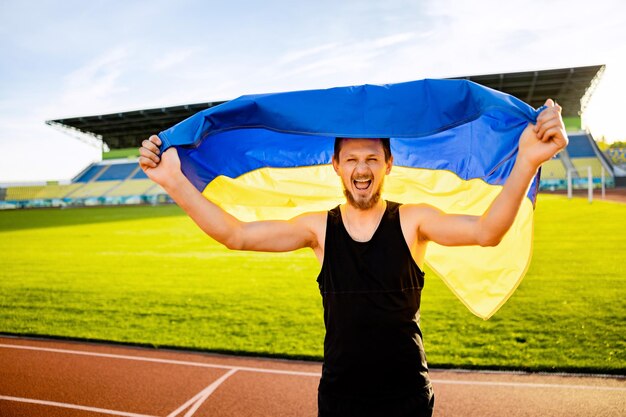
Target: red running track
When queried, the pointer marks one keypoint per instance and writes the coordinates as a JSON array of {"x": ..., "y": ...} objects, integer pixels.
[{"x": 41, "y": 377}]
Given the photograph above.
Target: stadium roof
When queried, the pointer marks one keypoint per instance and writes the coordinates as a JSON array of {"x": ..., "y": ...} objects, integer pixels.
[
  {"x": 128, "y": 129},
  {"x": 571, "y": 87}
]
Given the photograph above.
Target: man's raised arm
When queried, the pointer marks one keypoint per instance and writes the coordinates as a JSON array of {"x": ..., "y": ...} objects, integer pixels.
[
  {"x": 269, "y": 236},
  {"x": 538, "y": 143}
]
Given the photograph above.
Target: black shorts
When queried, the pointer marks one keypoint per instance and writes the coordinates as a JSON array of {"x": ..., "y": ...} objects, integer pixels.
[{"x": 419, "y": 405}]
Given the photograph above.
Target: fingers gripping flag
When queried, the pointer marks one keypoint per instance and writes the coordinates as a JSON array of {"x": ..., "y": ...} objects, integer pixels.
[{"x": 454, "y": 143}]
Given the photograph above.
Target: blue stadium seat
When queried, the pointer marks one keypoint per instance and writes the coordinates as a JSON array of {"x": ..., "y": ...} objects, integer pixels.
[
  {"x": 89, "y": 174},
  {"x": 117, "y": 172},
  {"x": 579, "y": 147},
  {"x": 140, "y": 175}
]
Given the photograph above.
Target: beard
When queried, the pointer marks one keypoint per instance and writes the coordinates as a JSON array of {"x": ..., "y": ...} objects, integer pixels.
[{"x": 364, "y": 203}]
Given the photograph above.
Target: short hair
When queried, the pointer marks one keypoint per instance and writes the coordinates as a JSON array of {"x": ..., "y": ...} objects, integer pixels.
[{"x": 385, "y": 142}]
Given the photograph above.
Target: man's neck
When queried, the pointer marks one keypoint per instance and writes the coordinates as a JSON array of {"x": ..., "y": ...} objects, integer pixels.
[
  {"x": 362, "y": 224},
  {"x": 359, "y": 218}
]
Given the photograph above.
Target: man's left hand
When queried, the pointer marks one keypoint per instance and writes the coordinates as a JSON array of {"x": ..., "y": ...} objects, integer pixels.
[{"x": 540, "y": 142}]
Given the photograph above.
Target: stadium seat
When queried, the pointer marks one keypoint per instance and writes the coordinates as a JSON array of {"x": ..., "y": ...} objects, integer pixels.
[
  {"x": 140, "y": 175},
  {"x": 553, "y": 169},
  {"x": 88, "y": 174},
  {"x": 155, "y": 190},
  {"x": 56, "y": 191},
  {"x": 581, "y": 165},
  {"x": 23, "y": 193},
  {"x": 94, "y": 189},
  {"x": 117, "y": 172},
  {"x": 131, "y": 188},
  {"x": 580, "y": 146}
]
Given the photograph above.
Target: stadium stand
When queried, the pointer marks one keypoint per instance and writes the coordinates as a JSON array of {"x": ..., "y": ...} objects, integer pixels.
[
  {"x": 131, "y": 188},
  {"x": 111, "y": 179},
  {"x": 567, "y": 163},
  {"x": 118, "y": 172},
  {"x": 23, "y": 193},
  {"x": 617, "y": 156},
  {"x": 56, "y": 191},
  {"x": 88, "y": 174},
  {"x": 584, "y": 146},
  {"x": 579, "y": 147},
  {"x": 108, "y": 182},
  {"x": 94, "y": 189},
  {"x": 554, "y": 173},
  {"x": 157, "y": 191},
  {"x": 554, "y": 169},
  {"x": 582, "y": 164},
  {"x": 140, "y": 175},
  {"x": 581, "y": 153}
]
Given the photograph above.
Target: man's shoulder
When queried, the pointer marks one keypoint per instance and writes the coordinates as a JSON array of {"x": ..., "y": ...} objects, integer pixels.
[
  {"x": 417, "y": 207},
  {"x": 312, "y": 218},
  {"x": 315, "y": 223},
  {"x": 413, "y": 212}
]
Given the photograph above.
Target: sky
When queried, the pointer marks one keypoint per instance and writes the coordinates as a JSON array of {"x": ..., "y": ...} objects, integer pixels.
[{"x": 77, "y": 58}]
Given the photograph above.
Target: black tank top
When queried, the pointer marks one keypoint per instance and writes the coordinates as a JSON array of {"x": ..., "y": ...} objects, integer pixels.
[{"x": 371, "y": 294}]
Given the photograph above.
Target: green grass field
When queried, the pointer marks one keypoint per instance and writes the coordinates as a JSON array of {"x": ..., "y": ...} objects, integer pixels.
[{"x": 147, "y": 275}]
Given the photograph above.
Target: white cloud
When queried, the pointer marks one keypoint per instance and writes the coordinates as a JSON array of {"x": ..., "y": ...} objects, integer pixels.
[
  {"x": 388, "y": 41},
  {"x": 173, "y": 58},
  {"x": 300, "y": 54}
]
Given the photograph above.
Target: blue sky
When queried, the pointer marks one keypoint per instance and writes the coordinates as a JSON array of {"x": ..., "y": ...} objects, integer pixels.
[{"x": 73, "y": 58}]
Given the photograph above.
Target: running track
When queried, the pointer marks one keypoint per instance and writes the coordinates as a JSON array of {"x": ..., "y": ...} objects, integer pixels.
[{"x": 41, "y": 377}]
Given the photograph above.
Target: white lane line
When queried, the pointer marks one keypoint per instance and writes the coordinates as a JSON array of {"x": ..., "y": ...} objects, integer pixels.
[
  {"x": 200, "y": 397},
  {"x": 158, "y": 360},
  {"x": 525, "y": 385},
  {"x": 297, "y": 373},
  {"x": 209, "y": 390},
  {"x": 187, "y": 404},
  {"x": 72, "y": 406}
]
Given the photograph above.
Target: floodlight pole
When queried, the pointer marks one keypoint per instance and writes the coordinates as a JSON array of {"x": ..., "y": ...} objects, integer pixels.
[{"x": 590, "y": 184}]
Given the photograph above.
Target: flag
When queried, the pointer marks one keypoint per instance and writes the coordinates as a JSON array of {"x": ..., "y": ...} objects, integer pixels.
[{"x": 454, "y": 143}]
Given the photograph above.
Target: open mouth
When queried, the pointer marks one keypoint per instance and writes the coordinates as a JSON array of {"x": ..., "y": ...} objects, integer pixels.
[{"x": 362, "y": 184}]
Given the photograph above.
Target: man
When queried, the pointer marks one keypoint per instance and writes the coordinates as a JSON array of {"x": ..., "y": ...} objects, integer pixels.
[{"x": 372, "y": 253}]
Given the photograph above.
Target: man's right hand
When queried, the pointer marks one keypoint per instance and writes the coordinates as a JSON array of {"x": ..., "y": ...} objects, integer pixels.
[{"x": 160, "y": 170}]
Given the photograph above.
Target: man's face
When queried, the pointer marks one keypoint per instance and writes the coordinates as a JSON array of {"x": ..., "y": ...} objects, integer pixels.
[{"x": 362, "y": 169}]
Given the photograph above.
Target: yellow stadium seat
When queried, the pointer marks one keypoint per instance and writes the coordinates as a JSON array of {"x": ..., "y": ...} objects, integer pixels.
[
  {"x": 130, "y": 188},
  {"x": 581, "y": 165},
  {"x": 94, "y": 189},
  {"x": 23, "y": 193},
  {"x": 53, "y": 191},
  {"x": 553, "y": 170}
]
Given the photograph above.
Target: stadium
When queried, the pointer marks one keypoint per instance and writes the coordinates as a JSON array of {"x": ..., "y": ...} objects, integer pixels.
[
  {"x": 113, "y": 302},
  {"x": 117, "y": 179}
]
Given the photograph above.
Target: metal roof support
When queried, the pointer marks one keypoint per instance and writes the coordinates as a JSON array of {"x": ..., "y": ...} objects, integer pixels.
[
  {"x": 566, "y": 83},
  {"x": 584, "y": 101},
  {"x": 89, "y": 138},
  {"x": 531, "y": 89}
]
